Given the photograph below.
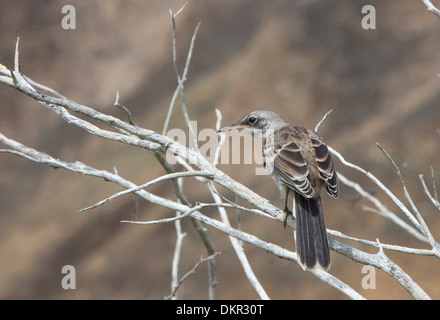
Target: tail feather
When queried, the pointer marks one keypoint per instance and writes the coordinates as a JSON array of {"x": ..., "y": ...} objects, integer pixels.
[{"x": 311, "y": 236}]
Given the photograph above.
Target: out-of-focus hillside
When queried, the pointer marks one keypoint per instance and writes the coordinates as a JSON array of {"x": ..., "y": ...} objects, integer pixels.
[{"x": 298, "y": 58}]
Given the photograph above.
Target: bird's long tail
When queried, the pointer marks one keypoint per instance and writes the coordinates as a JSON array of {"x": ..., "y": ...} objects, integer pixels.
[{"x": 311, "y": 236}]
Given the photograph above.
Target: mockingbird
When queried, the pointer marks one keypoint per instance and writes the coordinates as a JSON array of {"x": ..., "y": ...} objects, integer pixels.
[{"x": 299, "y": 161}]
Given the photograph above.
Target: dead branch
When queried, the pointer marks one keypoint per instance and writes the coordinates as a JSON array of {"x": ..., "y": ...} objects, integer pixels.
[{"x": 196, "y": 166}]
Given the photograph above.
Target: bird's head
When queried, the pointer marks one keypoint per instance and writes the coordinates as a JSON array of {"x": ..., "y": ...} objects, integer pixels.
[{"x": 257, "y": 122}]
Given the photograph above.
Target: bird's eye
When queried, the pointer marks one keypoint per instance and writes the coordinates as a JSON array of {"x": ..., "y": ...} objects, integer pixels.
[{"x": 252, "y": 120}]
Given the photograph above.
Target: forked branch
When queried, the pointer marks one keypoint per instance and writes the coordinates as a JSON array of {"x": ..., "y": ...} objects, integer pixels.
[{"x": 195, "y": 166}]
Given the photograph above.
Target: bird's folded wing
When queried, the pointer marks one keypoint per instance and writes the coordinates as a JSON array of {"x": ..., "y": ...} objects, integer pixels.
[
  {"x": 288, "y": 165},
  {"x": 325, "y": 166}
]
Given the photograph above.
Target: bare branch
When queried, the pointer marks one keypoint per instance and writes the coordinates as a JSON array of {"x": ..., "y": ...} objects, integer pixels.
[
  {"x": 188, "y": 274},
  {"x": 187, "y": 213},
  {"x": 175, "y": 284},
  {"x": 424, "y": 228},
  {"x": 381, "y": 186},
  {"x": 195, "y": 165},
  {"x": 205, "y": 174},
  {"x": 423, "y": 252},
  {"x": 239, "y": 250},
  {"x": 385, "y": 264},
  {"x": 431, "y": 8},
  {"x": 124, "y": 108},
  {"x": 16, "y": 56},
  {"x": 322, "y": 120},
  {"x": 381, "y": 209},
  {"x": 434, "y": 188},
  {"x": 434, "y": 199},
  {"x": 222, "y": 137},
  {"x": 181, "y": 79}
]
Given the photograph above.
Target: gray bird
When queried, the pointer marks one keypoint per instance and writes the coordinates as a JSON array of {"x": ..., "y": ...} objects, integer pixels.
[{"x": 299, "y": 161}]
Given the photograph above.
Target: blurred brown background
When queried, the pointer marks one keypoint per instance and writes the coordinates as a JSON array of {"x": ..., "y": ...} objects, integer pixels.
[{"x": 299, "y": 58}]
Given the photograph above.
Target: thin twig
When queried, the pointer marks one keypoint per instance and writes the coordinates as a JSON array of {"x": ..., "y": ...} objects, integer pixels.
[
  {"x": 181, "y": 79},
  {"x": 43, "y": 87},
  {"x": 322, "y": 120},
  {"x": 185, "y": 214},
  {"x": 16, "y": 56},
  {"x": 124, "y": 108},
  {"x": 175, "y": 175},
  {"x": 424, "y": 227},
  {"x": 181, "y": 91},
  {"x": 176, "y": 257},
  {"x": 238, "y": 248},
  {"x": 190, "y": 273},
  {"x": 202, "y": 231},
  {"x": 381, "y": 209},
  {"x": 381, "y": 186},
  {"x": 434, "y": 188},
  {"x": 222, "y": 138},
  {"x": 423, "y": 252},
  {"x": 158, "y": 144},
  {"x": 434, "y": 199}
]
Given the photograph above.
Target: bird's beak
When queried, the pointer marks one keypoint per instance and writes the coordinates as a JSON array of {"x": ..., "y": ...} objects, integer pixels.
[{"x": 232, "y": 126}]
